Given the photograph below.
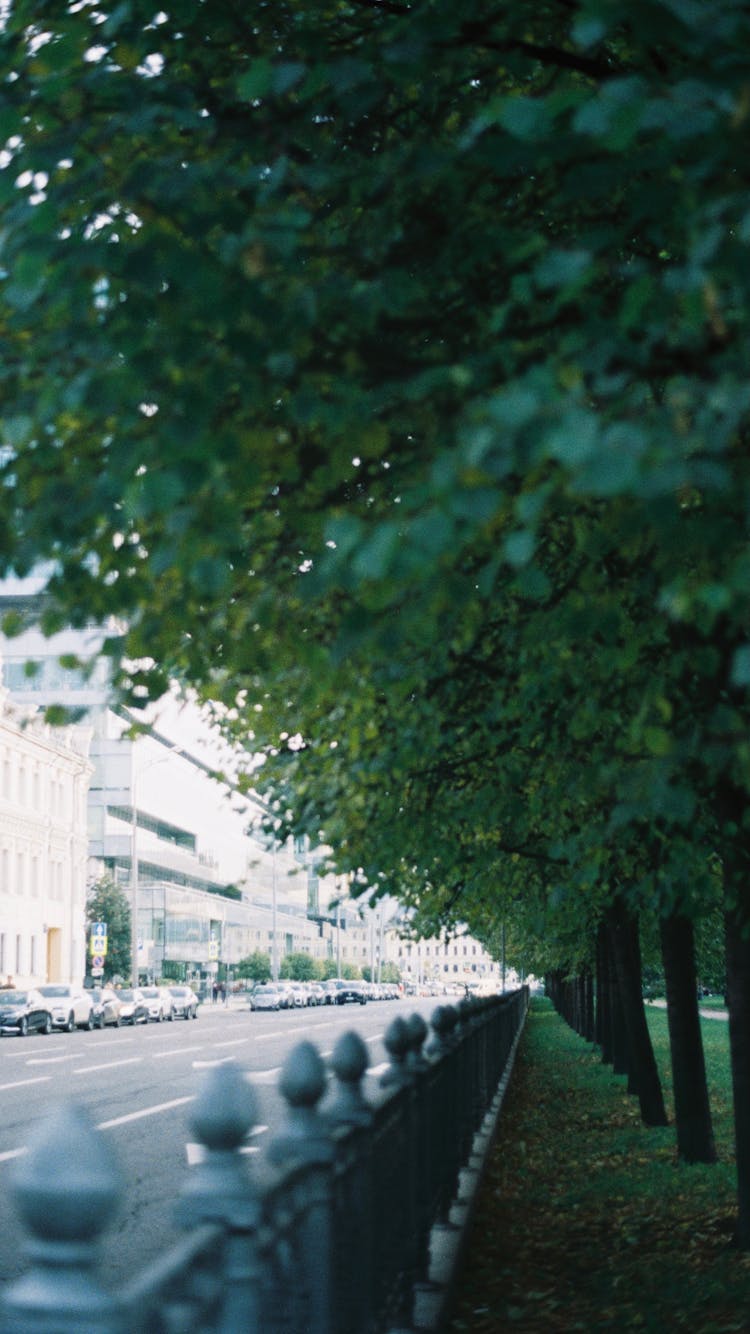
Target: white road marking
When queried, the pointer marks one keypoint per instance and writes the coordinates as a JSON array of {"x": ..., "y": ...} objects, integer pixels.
[
  {"x": 145, "y": 1111},
  {"x": 11, "y": 1153},
  {"x": 196, "y": 1153},
  {"x": 50, "y": 1060},
  {"x": 236, "y": 1042},
  {"x": 176, "y": 1051},
  {"x": 262, "y": 1076},
  {"x": 19, "y": 1083},
  {"x": 378, "y": 1069},
  {"x": 22, "y": 1051},
  {"x": 106, "y": 1065},
  {"x": 208, "y": 1065}
]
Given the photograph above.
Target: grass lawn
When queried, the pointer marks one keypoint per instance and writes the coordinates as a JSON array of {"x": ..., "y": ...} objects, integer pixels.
[{"x": 586, "y": 1221}]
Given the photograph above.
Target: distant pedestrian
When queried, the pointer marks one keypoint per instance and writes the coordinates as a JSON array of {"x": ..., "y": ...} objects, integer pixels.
[
  {"x": 222, "y": 993},
  {"x": 214, "y": 992}
]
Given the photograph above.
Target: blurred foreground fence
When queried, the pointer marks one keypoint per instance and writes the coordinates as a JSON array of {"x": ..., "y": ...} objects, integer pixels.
[{"x": 331, "y": 1231}]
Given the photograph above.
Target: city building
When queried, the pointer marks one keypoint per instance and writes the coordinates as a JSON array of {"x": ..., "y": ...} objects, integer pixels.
[
  {"x": 44, "y": 777},
  {"x": 209, "y": 885},
  {"x": 451, "y": 959}
]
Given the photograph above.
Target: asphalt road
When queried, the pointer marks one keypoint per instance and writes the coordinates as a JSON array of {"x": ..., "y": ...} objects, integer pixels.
[{"x": 137, "y": 1086}]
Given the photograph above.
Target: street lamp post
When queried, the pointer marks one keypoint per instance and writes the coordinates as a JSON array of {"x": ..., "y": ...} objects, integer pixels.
[
  {"x": 274, "y": 935},
  {"x": 134, "y": 878},
  {"x": 134, "y": 886}
]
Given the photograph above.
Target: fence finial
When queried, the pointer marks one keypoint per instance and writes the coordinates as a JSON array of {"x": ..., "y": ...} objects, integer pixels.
[
  {"x": 396, "y": 1043},
  {"x": 217, "y": 1189},
  {"x": 417, "y": 1034},
  {"x": 349, "y": 1062},
  {"x": 67, "y": 1188},
  {"x": 302, "y": 1083}
]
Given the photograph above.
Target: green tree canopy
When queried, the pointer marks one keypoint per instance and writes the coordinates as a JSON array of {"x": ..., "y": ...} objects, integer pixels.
[
  {"x": 256, "y": 967},
  {"x": 396, "y": 358},
  {"x": 298, "y": 966}
]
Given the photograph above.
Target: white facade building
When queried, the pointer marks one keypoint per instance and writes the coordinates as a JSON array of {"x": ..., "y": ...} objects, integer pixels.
[
  {"x": 451, "y": 959},
  {"x": 44, "y": 777}
]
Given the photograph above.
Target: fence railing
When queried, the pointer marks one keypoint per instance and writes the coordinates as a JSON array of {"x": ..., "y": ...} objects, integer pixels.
[{"x": 327, "y": 1232}]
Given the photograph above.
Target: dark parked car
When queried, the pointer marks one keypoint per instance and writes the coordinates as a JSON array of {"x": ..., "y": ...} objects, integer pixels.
[
  {"x": 23, "y": 1012},
  {"x": 107, "y": 1006},
  {"x": 346, "y": 989}
]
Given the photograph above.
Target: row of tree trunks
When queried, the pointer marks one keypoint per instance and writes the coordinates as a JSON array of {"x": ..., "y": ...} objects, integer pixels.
[{"x": 612, "y": 1015}]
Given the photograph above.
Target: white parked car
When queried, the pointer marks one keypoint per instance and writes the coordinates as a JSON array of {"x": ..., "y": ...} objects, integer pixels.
[
  {"x": 69, "y": 1006},
  {"x": 159, "y": 1003}
]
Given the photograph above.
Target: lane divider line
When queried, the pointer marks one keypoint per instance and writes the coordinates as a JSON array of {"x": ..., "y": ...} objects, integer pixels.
[
  {"x": 20, "y": 1083},
  {"x": 106, "y": 1065},
  {"x": 145, "y": 1111}
]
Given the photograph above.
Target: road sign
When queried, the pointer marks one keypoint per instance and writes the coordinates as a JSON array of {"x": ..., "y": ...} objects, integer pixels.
[
  {"x": 97, "y": 962},
  {"x": 98, "y": 942},
  {"x": 213, "y": 949},
  {"x": 96, "y": 972}
]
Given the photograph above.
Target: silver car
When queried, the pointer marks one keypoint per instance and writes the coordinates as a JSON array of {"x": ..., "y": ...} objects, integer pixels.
[
  {"x": 159, "y": 1003},
  {"x": 184, "y": 1002},
  {"x": 266, "y": 998}
]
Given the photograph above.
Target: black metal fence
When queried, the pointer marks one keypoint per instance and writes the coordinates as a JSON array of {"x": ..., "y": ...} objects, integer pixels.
[{"x": 329, "y": 1232}]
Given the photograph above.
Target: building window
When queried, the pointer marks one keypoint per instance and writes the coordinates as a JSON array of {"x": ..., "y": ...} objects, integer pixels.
[{"x": 18, "y": 954}]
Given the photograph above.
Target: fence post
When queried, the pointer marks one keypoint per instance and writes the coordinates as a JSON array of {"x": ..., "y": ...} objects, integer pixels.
[
  {"x": 354, "y": 1219},
  {"x": 220, "y": 1190},
  {"x": 306, "y": 1140},
  {"x": 66, "y": 1188}
]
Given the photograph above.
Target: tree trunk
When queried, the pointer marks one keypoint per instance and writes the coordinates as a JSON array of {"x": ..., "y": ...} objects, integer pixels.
[
  {"x": 695, "y": 1136},
  {"x": 730, "y": 808},
  {"x": 589, "y": 1030},
  {"x": 603, "y": 998},
  {"x": 738, "y": 1001},
  {"x": 623, "y": 930}
]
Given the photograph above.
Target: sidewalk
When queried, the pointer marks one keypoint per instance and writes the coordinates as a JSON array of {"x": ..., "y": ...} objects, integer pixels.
[{"x": 705, "y": 1013}]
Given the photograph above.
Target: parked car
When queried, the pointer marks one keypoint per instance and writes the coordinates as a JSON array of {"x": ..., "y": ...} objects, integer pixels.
[
  {"x": 299, "y": 997},
  {"x": 107, "y": 1006},
  {"x": 159, "y": 1003},
  {"x": 266, "y": 997},
  {"x": 24, "y": 1012},
  {"x": 347, "y": 989},
  {"x": 70, "y": 1006},
  {"x": 184, "y": 1002},
  {"x": 315, "y": 994},
  {"x": 133, "y": 1008}
]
